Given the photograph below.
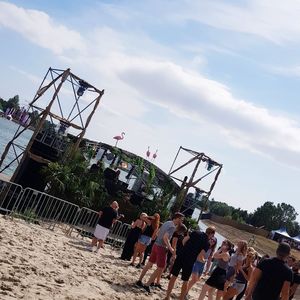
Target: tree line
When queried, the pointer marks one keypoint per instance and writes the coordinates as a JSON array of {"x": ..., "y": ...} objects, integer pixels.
[{"x": 269, "y": 216}]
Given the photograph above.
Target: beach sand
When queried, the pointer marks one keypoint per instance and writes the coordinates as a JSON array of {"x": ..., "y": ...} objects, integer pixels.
[{"x": 36, "y": 263}]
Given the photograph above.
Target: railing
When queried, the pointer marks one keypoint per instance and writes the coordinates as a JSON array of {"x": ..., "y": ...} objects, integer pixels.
[
  {"x": 10, "y": 193},
  {"x": 43, "y": 209}
]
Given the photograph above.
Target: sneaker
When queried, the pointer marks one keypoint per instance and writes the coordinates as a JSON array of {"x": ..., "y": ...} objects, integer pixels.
[
  {"x": 138, "y": 266},
  {"x": 147, "y": 288},
  {"x": 152, "y": 284},
  {"x": 131, "y": 264},
  {"x": 139, "y": 284}
]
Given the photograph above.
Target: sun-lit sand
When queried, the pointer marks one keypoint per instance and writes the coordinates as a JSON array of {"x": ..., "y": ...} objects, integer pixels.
[{"x": 36, "y": 263}]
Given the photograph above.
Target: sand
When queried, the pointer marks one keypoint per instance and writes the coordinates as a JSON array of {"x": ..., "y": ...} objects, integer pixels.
[{"x": 36, "y": 263}]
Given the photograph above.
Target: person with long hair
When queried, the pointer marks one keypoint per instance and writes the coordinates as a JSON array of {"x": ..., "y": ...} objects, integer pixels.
[
  {"x": 136, "y": 229},
  {"x": 199, "y": 264},
  {"x": 235, "y": 262},
  {"x": 242, "y": 277},
  {"x": 148, "y": 234},
  {"x": 218, "y": 276}
]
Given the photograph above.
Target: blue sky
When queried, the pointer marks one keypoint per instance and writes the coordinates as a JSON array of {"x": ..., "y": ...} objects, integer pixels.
[{"x": 215, "y": 76}]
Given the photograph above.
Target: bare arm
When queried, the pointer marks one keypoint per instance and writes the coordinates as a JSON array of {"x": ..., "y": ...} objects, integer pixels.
[
  {"x": 293, "y": 289},
  {"x": 285, "y": 291},
  {"x": 247, "y": 276},
  {"x": 185, "y": 239},
  {"x": 256, "y": 274},
  {"x": 167, "y": 242},
  {"x": 222, "y": 255},
  {"x": 201, "y": 256}
]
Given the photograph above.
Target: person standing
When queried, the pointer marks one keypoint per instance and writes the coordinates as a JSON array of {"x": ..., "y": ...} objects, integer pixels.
[
  {"x": 136, "y": 229},
  {"x": 296, "y": 279},
  {"x": 159, "y": 251},
  {"x": 108, "y": 216},
  {"x": 272, "y": 277},
  {"x": 195, "y": 244},
  {"x": 148, "y": 234}
]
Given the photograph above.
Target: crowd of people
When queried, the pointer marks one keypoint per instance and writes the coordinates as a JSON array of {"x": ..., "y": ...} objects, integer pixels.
[{"x": 229, "y": 272}]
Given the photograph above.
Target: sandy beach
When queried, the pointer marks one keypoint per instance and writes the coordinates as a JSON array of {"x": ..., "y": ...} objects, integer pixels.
[{"x": 37, "y": 263}]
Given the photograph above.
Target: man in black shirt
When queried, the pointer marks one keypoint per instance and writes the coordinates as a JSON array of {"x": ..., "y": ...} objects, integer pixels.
[
  {"x": 193, "y": 245},
  {"x": 108, "y": 216},
  {"x": 272, "y": 277},
  {"x": 296, "y": 279}
]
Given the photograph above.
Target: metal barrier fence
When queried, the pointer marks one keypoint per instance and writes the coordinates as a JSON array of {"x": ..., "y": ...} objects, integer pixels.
[
  {"x": 37, "y": 206},
  {"x": 85, "y": 224},
  {"x": 41, "y": 208},
  {"x": 10, "y": 193}
]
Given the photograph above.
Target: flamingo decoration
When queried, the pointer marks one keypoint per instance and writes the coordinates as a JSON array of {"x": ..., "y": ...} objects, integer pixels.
[
  {"x": 155, "y": 154},
  {"x": 148, "y": 153},
  {"x": 119, "y": 138}
]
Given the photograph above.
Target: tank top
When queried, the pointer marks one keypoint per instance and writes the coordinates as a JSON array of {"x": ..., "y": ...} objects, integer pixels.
[
  {"x": 207, "y": 253},
  {"x": 148, "y": 231},
  {"x": 240, "y": 278},
  {"x": 222, "y": 264}
]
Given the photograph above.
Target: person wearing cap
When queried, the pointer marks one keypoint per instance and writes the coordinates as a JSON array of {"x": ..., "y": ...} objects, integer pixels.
[
  {"x": 159, "y": 251},
  {"x": 108, "y": 216},
  {"x": 272, "y": 278}
]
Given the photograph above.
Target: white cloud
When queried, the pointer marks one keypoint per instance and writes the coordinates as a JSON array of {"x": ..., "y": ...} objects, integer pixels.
[
  {"x": 194, "y": 96},
  {"x": 39, "y": 28},
  {"x": 293, "y": 71},
  {"x": 133, "y": 77}
]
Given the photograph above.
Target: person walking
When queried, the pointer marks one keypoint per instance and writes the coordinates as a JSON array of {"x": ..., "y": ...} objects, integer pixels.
[
  {"x": 195, "y": 244},
  {"x": 158, "y": 254},
  {"x": 271, "y": 278},
  {"x": 108, "y": 216}
]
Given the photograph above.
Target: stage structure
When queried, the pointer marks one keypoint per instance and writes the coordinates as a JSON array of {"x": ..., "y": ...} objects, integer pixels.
[
  {"x": 60, "y": 114},
  {"x": 212, "y": 168}
]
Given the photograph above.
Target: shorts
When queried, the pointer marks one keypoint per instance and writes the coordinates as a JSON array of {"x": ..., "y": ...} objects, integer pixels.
[
  {"x": 239, "y": 286},
  {"x": 101, "y": 232},
  {"x": 158, "y": 256},
  {"x": 144, "y": 239},
  {"x": 198, "y": 268},
  {"x": 217, "y": 279},
  {"x": 186, "y": 265}
]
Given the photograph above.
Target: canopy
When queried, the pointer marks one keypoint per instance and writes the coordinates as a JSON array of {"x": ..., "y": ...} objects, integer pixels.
[
  {"x": 282, "y": 231},
  {"x": 297, "y": 238}
]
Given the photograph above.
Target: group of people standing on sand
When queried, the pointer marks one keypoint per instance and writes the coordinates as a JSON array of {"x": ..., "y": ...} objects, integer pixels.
[{"x": 233, "y": 272}]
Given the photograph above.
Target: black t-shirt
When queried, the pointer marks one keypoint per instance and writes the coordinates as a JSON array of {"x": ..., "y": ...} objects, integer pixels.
[
  {"x": 107, "y": 217},
  {"x": 296, "y": 280},
  {"x": 148, "y": 231},
  {"x": 274, "y": 273},
  {"x": 197, "y": 242}
]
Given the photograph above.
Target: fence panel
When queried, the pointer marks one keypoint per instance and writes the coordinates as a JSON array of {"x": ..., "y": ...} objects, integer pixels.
[
  {"x": 118, "y": 234},
  {"x": 38, "y": 207},
  {"x": 85, "y": 222},
  {"x": 10, "y": 193}
]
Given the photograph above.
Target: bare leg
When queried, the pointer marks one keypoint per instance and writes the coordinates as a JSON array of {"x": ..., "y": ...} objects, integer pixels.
[
  {"x": 135, "y": 254},
  {"x": 94, "y": 242},
  {"x": 145, "y": 270},
  {"x": 170, "y": 286},
  {"x": 210, "y": 293},
  {"x": 184, "y": 288},
  {"x": 219, "y": 295},
  {"x": 141, "y": 257},
  {"x": 231, "y": 292},
  {"x": 204, "y": 290},
  {"x": 100, "y": 244},
  {"x": 194, "y": 279},
  {"x": 154, "y": 275}
]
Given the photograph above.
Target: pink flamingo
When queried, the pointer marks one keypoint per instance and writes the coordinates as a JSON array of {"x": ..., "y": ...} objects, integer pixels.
[
  {"x": 148, "y": 153},
  {"x": 119, "y": 138},
  {"x": 155, "y": 154}
]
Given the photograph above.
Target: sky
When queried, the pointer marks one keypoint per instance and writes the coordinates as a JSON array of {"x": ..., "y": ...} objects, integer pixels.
[{"x": 219, "y": 77}]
